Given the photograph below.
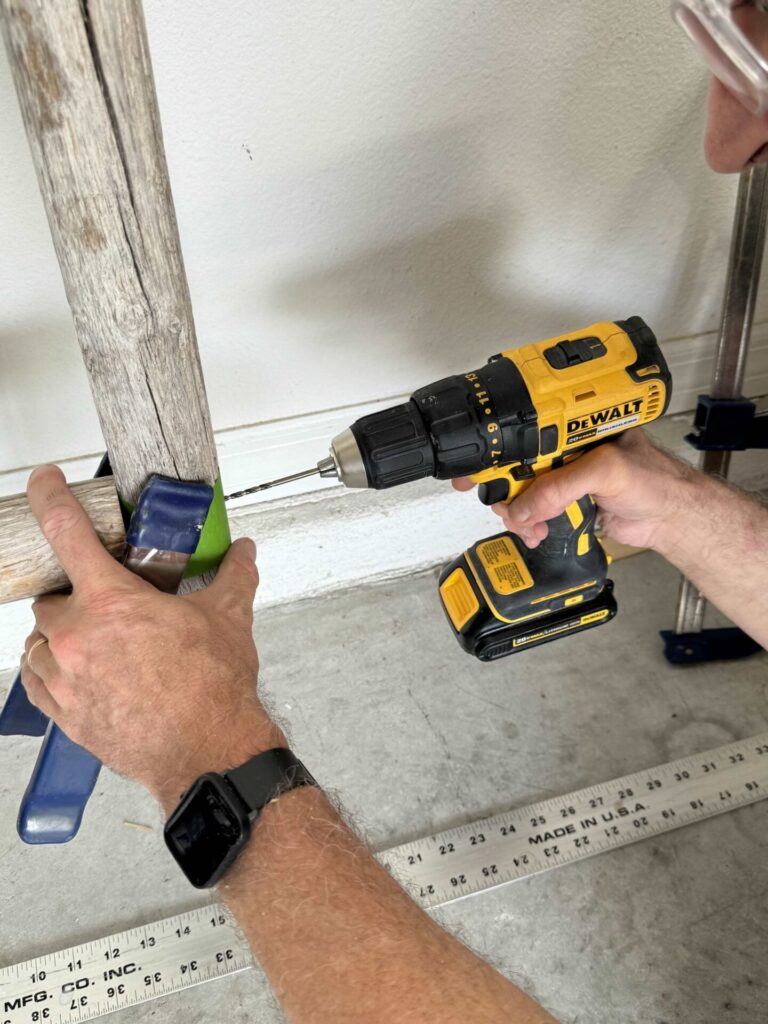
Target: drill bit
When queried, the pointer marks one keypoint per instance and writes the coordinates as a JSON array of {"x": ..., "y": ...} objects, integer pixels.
[
  {"x": 273, "y": 483},
  {"x": 325, "y": 468}
]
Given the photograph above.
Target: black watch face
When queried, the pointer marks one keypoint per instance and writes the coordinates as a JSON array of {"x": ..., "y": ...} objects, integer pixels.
[{"x": 207, "y": 831}]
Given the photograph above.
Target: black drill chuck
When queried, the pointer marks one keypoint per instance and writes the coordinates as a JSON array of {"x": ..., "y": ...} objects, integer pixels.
[
  {"x": 455, "y": 427},
  {"x": 394, "y": 446}
]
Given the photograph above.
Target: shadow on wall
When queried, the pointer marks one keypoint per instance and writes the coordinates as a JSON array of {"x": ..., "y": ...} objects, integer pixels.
[
  {"x": 395, "y": 248},
  {"x": 428, "y": 294},
  {"x": 457, "y": 284}
]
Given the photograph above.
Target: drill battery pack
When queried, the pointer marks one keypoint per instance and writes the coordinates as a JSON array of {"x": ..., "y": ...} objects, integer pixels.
[{"x": 501, "y": 597}]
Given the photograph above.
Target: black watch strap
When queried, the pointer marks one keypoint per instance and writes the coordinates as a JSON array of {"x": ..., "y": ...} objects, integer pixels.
[
  {"x": 267, "y": 776},
  {"x": 213, "y": 820}
]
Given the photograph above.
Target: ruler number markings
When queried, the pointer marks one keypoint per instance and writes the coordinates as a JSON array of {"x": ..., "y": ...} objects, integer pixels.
[
  {"x": 157, "y": 959},
  {"x": 593, "y": 820},
  {"x": 142, "y": 963}
]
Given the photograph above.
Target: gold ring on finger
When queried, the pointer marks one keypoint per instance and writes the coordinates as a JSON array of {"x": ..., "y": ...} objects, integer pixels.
[{"x": 38, "y": 643}]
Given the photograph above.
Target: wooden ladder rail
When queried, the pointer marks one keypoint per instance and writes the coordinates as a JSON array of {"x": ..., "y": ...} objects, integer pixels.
[{"x": 84, "y": 80}]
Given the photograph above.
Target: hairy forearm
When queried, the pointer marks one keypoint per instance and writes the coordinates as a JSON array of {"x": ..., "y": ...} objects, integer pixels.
[
  {"x": 341, "y": 942},
  {"x": 719, "y": 540}
]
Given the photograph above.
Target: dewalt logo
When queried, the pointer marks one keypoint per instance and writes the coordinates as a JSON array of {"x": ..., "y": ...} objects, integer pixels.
[{"x": 605, "y": 416}]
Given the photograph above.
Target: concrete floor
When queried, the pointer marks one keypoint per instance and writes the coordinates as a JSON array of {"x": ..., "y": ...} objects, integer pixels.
[{"x": 415, "y": 736}]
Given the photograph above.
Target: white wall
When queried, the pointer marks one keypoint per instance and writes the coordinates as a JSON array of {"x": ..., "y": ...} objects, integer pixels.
[{"x": 371, "y": 195}]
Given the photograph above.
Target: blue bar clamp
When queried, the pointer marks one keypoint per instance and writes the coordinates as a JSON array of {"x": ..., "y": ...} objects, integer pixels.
[
  {"x": 720, "y": 425},
  {"x": 169, "y": 516}
]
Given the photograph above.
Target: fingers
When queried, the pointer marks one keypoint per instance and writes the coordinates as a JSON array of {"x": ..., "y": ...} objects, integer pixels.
[
  {"x": 535, "y": 535},
  {"x": 36, "y": 691},
  {"x": 68, "y": 529},
  {"x": 462, "y": 483},
  {"x": 49, "y": 612},
  {"x": 598, "y": 473},
  {"x": 532, "y": 535},
  {"x": 238, "y": 578}
]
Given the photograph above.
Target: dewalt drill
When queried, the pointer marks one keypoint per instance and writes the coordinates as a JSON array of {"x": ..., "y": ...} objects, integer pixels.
[{"x": 527, "y": 411}]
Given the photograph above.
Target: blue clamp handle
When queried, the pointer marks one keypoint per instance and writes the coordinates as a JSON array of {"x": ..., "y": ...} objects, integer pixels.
[
  {"x": 62, "y": 781},
  {"x": 18, "y": 717},
  {"x": 63, "y": 778}
]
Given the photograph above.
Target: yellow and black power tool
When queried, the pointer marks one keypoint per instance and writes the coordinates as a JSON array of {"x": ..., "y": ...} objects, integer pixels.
[{"x": 527, "y": 411}]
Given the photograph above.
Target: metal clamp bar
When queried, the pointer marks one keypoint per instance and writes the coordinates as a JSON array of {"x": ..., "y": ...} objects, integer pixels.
[{"x": 742, "y": 280}]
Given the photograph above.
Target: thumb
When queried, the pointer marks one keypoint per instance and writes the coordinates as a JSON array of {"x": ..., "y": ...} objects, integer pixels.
[
  {"x": 596, "y": 473},
  {"x": 462, "y": 483},
  {"x": 238, "y": 578}
]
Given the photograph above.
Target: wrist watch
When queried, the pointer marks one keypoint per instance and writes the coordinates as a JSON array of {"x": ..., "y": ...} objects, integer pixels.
[{"x": 212, "y": 822}]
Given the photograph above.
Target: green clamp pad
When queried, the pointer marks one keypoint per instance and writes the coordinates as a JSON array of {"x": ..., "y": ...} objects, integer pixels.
[{"x": 215, "y": 537}]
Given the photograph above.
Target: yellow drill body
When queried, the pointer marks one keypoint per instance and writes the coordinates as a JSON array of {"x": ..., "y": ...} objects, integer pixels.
[
  {"x": 585, "y": 403},
  {"x": 584, "y": 388}
]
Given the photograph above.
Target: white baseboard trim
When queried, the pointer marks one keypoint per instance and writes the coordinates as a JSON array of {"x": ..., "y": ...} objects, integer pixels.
[
  {"x": 262, "y": 451},
  {"x": 318, "y": 537}
]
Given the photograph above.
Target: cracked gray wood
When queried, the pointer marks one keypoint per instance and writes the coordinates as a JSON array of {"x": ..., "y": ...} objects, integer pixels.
[
  {"x": 28, "y": 567},
  {"x": 84, "y": 80}
]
